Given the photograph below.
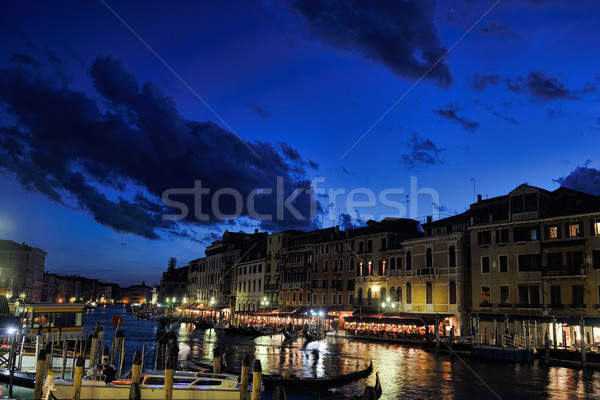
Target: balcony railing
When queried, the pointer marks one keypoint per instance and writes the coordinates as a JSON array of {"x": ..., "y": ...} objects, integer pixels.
[
  {"x": 272, "y": 286},
  {"x": 578, "y": 307},
  {"x": 570, "y": 270},
  {"x": 292, "y": 285}
]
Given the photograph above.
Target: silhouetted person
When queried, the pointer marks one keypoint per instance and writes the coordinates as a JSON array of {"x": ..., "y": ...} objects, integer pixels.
[{"x": 108, "y": 371}]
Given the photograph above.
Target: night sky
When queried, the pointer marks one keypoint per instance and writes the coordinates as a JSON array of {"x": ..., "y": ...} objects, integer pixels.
[{"x": 106, "y": 105}]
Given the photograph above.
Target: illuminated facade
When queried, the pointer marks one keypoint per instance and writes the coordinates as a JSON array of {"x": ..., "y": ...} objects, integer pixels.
[
  {"x": 21, "y": 271},
  {"x": 539, "y": 266}
]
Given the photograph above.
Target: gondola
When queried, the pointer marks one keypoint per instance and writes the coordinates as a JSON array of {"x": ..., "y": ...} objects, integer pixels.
[
  {"x": 289, "y": 335},
  {"x": 317, "y": 383},
  {"x": 312, "y": 336},
  {"x": 20, "y": 378},
  {"x": 203, "y": 324}
]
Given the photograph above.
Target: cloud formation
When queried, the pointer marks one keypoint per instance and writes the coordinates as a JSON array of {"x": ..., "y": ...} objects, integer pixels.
[
  {"x": 481, "y": 81},
  {"x": 498, "y": 28},
  {"x": 398, "y": 34},
  {"x": 261, "y": 112},
  {"x": 450, "y": 113},
  {"x": 582, "y": 178},
  {"x": 543, "y": 88},
  {"x": 77, "y": 150},
  {"x": 423, "y": 153}
]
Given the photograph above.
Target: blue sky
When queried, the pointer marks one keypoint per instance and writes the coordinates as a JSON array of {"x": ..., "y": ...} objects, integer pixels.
[{"x": 95, "y": 127}]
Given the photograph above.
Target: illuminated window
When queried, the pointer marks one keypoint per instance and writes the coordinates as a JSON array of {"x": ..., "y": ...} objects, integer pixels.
[
  {"x": 370, "y": 264},
  {"x": 596, "y": 225},
  {"x": 575, "y": 229},
  {"x": 485, "y": 295},
  {"x": 553, "y": 232}
]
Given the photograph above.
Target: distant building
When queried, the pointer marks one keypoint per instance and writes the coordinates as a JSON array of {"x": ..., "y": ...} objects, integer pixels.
[
  {"x": 73, "y": 288},
  {"x": 173, "y": 284},
  {"x": 136, "y": 294},
  {"x": 21, "y": 271}
]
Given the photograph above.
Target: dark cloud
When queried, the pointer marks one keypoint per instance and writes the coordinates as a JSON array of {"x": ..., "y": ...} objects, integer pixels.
[
  {"x": 398, "y": 34},
  {"x": 13, "y": 30},
  {"x": 208, "y": 238},
  {"x": 261, "y": 112},
  {"x": 423, "y": 153},
  {"x": 583, "y": 178},
  {"x": 450, "y": 112},
  {"x": 60, "y": 142},
  {"x": 541, "y": 87},
  {"x": 498, "y": 28},
  {"x": 347, "y": 222},
  {"x": 19, "y": 58},
  {"x": 480, "y": 81},
  {"x": 508, "y": 118}
]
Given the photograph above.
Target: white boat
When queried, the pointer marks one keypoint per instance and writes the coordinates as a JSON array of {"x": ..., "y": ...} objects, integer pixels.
[{"x": 186, "y": 385}]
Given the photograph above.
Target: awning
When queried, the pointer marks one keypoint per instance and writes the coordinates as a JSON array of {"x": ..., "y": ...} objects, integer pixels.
[{"x": 400, "y": 319}]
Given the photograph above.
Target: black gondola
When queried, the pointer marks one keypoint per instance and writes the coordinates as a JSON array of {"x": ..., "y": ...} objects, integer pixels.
[
  {"x": 317, "y": 383},
  {"x": 203, "y": 324}
]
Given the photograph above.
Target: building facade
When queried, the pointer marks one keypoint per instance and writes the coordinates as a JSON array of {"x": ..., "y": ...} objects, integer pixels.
[{"x": 21, "y": 271}]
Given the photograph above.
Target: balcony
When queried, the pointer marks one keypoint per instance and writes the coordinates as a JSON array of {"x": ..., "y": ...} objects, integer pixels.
[
  {"x": 428, "y": 271},
  {"x": 528, "y": 305},
  {"x": 292, "y": 285},
  {"x": 485, "y": 305},
  {"x": 504, "y": 305},
  {"x": 578, "y": 306},
  {"x": 271, "y": 286},
  {"x": 571, "y": 270},
  {"x": 556, "y": 306}
]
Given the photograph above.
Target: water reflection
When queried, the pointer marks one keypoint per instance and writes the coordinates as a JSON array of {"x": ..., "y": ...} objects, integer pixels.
[{"x": 405, "y": 372}]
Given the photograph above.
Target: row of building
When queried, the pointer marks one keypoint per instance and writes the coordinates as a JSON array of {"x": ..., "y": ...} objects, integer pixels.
[
  {"x": 22, "y": 277},
  {"x": 528, "y": 258}
]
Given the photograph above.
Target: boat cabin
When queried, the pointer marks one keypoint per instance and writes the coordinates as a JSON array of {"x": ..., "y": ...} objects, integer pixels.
[{"x": 49, "y": 318}]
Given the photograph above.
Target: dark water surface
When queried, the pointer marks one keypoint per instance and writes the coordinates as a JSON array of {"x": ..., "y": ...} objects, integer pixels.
[{"x": 405, "y": 372}]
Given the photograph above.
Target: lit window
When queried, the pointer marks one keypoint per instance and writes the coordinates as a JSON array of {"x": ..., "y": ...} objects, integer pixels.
[
  {"x": 485, "y": 295},
  {"x": 596, "y": 228},
  {"x": 575, "y": 230},
  {"x": 553, "y": 232}
]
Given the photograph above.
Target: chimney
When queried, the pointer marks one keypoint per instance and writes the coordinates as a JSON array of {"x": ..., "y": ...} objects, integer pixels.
[
  {"x": 256, "y": 230},
  {"x": 478, "y": 198},
  {"x": 337, "y": 229},
  {"x": 429, "y": 219}
]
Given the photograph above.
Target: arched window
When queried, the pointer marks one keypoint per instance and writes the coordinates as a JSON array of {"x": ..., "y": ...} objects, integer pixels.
[
  {"x": 316, "y": 266},
  {"x": 452, "y": 257},
  {"x": 429, "y": 258},
  {"x": 408, "y": 293},
  {"x": 399, "y": 263},
  {"x": 341, "y": 264},
  {"x": 325, "y": 266},
  {"x": 383, "y": 293},
  {"x": 308, "y": 276},
  {"x": 360, "y": 297},
  {"x": 393, "y": 294},
  {"x": 335, "y": 265},
  {"x": 408, "y": 260},
  {"x": 399, "y": 293},
  {"x": 392, "y": 263},
  {"x": 360, "y": 269},
  {"x": 369, "y": 297},
  {"x": 351, "y": 264}
]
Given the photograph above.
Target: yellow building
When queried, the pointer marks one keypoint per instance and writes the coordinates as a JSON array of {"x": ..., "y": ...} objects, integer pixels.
[{"x": 539, "y": 266}]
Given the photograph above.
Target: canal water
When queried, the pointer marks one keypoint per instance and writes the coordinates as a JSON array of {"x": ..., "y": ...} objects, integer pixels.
[{"x": 405, "y": 372}]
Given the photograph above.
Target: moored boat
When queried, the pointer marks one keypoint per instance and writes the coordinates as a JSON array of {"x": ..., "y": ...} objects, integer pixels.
[
  {"x": 316, "y": 383},
  {"x": 186, "y": 385}
]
